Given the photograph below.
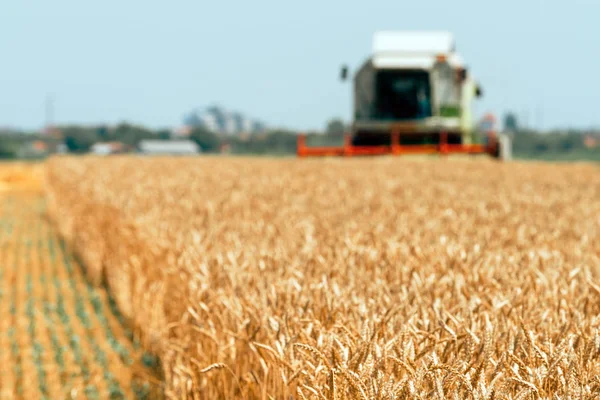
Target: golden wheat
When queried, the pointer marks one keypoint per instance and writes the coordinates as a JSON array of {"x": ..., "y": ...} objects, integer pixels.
[
  {"x": 346, "y": 278},
  {"x": 21, "y": 176}
]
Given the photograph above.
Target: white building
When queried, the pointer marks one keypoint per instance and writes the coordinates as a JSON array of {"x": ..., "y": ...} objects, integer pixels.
[
  {"x": 106, "y": 148},
  {"x": 169, "y": 147}
]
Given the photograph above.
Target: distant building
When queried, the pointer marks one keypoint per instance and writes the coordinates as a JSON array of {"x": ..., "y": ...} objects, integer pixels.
[
  {"x": 223, "y": 122},
  {"x": 591, "y": 142},
  {"x": 168, "y": 147},
  {"x": 33, "y": 149},
  {"x": 225, "y": 148},
  {"x": 106, "y": 148}
]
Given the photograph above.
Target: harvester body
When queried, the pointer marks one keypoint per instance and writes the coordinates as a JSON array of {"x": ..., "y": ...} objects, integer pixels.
[
  {"x": 413, "y": 94},
  {"x": 414, "y": 81}
]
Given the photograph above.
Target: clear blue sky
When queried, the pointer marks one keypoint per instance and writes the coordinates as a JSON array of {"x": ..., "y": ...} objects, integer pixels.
[{"x": 150, "y": 62}]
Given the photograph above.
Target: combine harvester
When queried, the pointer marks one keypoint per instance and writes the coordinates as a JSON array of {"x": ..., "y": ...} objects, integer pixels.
[{"x": 413, "y": 96}]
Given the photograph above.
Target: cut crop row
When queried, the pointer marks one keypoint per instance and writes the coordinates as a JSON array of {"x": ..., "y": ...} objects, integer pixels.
[{"x": 58, "y": 337}]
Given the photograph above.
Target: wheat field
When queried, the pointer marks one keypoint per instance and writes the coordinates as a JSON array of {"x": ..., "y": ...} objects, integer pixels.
[{"x": 384, "y": 278}]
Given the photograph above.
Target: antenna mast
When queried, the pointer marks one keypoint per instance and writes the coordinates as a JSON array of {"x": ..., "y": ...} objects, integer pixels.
[{"x": 49, "y": 113}]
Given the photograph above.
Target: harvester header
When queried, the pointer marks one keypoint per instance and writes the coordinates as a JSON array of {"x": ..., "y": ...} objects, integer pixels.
[{"x": 413, "y": 94}]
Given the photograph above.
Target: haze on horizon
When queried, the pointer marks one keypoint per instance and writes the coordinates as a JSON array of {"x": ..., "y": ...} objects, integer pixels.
[{"x": 150, "y": 62}]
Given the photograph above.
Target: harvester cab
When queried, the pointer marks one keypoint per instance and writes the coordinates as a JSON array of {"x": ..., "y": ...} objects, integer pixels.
[{"x": 414, "y": 94}]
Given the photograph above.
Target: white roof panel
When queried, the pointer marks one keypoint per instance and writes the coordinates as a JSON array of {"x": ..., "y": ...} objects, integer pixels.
[
  {"x": 416, "y": 62},
  {"x": 415, "y": 42},
  {"x": 393, "y": 61}
]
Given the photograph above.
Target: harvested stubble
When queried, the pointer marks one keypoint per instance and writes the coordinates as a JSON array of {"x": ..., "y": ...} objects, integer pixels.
[
  {"x": 340, "y": 279},
  {"x": 58, "y": 337}
]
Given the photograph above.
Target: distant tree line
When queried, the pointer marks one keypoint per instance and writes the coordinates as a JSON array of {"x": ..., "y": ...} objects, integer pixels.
[
  {"x": 14, "y": 144},
  {"x": 79, "y": 139},
  {"x": 9, "y": 147},
  {"x": 558, "y": 145},
  {"x": 568, "y": 144}
]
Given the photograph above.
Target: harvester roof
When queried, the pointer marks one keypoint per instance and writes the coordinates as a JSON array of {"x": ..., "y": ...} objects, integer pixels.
[{"x": 413, "y": 49}]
